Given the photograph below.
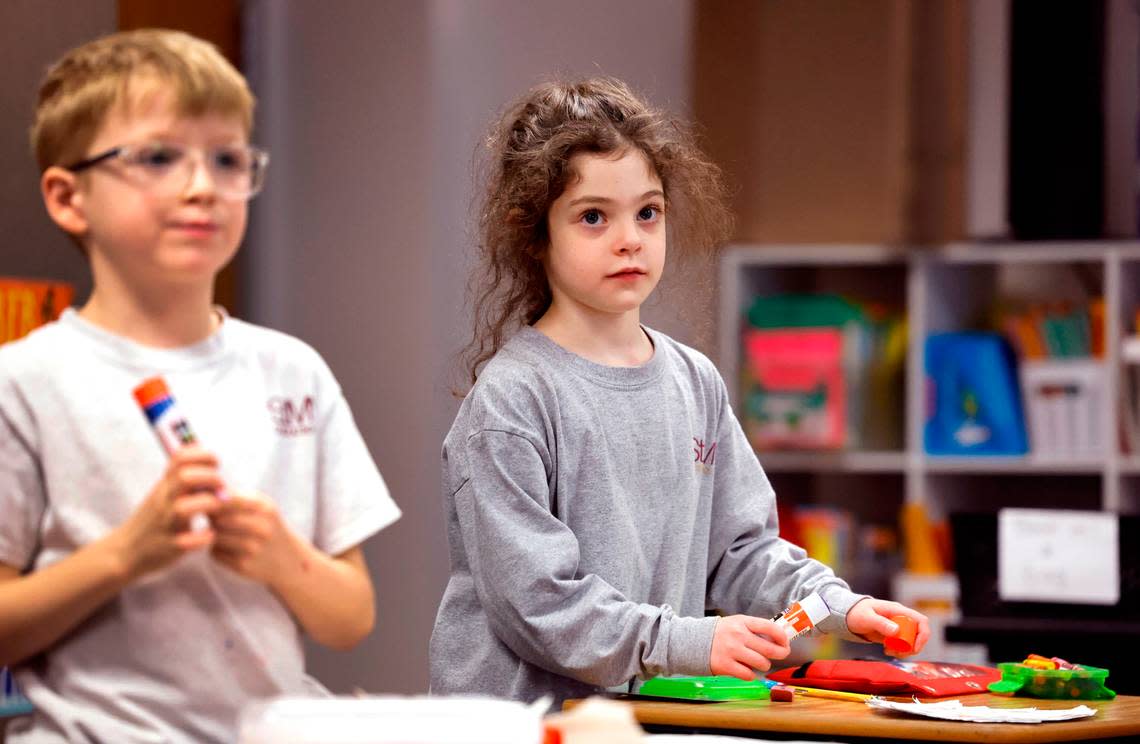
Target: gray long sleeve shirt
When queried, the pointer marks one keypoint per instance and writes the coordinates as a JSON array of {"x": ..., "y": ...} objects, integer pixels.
[{"x": 594, "y": 514}]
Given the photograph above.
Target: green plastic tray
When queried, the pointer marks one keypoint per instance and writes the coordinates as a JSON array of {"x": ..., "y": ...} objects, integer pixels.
[
  {"x": 1083, "y": 683},
  {"x": 705, "y": 688}
]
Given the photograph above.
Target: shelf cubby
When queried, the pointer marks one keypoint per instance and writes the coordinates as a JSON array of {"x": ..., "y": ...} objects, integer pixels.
[{"x": 948, "y": 288}]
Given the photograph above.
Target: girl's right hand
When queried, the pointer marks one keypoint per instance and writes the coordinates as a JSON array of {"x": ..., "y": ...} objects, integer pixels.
[
  {"x": 158, "y": 532},
  {"x": 742, "y": 644}
]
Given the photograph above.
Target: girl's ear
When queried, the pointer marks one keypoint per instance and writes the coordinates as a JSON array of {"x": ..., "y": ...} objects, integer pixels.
[{"x": 64, "y": 200}]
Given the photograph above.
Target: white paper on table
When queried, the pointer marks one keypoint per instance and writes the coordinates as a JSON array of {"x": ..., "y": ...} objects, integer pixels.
[
  {"x": 1049, "y": 555},
  {"x": 953, "y": 710}
]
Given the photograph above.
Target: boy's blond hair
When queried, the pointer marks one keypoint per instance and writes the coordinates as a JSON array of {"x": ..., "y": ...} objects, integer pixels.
[{"x": 81, "y": 88}]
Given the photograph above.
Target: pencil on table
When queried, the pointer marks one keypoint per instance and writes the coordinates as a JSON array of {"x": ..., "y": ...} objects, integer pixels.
[{"x": 830, "y": 694}]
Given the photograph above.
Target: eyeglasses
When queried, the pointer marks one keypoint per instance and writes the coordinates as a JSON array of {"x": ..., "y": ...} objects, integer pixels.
[{"x": 238, "y": 171}]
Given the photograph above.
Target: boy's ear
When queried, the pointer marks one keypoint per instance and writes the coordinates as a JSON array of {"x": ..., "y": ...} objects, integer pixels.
[{"x": 64, "y": 200}]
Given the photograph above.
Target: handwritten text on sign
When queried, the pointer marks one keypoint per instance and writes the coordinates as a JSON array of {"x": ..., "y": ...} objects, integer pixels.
[{"x": 1058, "y": 556}]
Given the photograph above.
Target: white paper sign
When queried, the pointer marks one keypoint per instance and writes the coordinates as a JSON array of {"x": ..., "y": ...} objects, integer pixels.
[{"x": 1058, "y": 556}]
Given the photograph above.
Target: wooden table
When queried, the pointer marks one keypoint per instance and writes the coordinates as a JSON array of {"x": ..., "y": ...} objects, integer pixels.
[{"x": 840, "y": 719}]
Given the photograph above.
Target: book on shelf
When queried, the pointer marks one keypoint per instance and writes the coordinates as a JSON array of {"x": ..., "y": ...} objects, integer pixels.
[
  {"x": 1054, "y": 330},
  {"x": 822, "y": 372},
  {"x": 973, "y": 405},
  {"x": 27, "y": 304}
]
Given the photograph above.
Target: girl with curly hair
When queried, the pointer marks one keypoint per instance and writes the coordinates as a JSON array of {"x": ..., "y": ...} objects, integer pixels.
[{"x": 603, "y": 503}]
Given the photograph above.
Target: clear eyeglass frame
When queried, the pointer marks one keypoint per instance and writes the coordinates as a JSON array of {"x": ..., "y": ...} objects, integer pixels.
[{"x": 238, "y": 171}]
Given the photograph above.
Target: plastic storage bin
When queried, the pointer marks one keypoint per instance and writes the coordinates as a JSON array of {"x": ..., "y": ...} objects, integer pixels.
[
  {"x": 1082, "y": 683},
  {"x": 1065, "y": 406}
]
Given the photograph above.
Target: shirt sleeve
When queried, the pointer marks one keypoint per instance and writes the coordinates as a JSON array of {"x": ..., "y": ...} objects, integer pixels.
[
  {"x": 22, "y": 498},
  {"x": 353, "y": 500},
  {"x": 753, "y": 570},
  {"x": 524, "y": 563}
]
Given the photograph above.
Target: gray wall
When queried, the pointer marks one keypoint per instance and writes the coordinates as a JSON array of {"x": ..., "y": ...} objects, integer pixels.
[
  {"x": 33, "y": 33},
  {"x": 360, "y": 243}
]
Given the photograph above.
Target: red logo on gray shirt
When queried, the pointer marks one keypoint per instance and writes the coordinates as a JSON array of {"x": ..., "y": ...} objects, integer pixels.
[
  {"x": 292, "y": 418},
  {"x": 705, "y": 455}
]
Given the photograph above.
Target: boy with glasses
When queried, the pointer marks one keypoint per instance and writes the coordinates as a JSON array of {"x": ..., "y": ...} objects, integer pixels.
[{"x": 127, "y": 616}]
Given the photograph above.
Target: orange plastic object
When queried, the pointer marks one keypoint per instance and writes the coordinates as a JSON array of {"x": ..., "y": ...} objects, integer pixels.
[
  {"x": 151, "y": 390},
  {"x": 903, "y": 640}
]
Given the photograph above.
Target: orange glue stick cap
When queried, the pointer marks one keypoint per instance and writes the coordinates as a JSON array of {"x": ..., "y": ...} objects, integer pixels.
[
  {"x": 903, "y": 640},
  {"x": 151, "y": 391}
]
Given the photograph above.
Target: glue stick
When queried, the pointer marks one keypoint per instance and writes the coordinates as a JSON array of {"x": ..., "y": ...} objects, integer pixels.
[
  {"x": 172, "y": 428},
  {"x": 802, "y": 616}
]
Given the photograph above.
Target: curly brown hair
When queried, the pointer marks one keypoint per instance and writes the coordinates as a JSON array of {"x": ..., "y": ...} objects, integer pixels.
[{"x": 528, "y": 168}]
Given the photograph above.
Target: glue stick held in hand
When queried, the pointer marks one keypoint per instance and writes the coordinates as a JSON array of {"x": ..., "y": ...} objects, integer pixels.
[
  {"x": 802, "y": 616},
  {"x": 170, "y": 425}
]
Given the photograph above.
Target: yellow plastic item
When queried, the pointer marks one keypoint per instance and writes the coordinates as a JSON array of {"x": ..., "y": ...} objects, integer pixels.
[{"x": 919, "y": 547}]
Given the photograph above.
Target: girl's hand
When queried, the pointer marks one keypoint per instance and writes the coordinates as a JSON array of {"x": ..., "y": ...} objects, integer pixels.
[
  {"x": 252, "y": 539},
  {"x": 158, "y": 532},
  {"x": 871, "y": 619},
  {"x": 742, "y": 643}
]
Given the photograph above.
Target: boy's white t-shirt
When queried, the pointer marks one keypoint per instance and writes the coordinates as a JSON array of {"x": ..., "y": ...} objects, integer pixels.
[{"x": 175, "y": 656}]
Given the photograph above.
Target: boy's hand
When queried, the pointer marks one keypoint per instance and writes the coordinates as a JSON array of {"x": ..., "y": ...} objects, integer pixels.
[
  {"x": 742, "y": 643},
  {"x": 158, "y": 532},
  {"x": 252, "y": 539},
  {"x": 871, "y": 619}
]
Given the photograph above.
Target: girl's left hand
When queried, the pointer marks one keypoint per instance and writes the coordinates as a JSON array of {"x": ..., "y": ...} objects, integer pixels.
[
  {"x": 871, "y": 619},
  {"x": 252, "y": 539}
]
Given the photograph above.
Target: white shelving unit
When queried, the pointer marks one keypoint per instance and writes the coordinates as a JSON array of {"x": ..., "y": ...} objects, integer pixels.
[{"x": 946, "y": 288}]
